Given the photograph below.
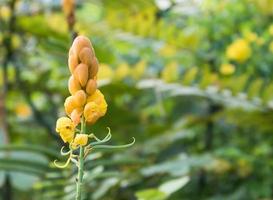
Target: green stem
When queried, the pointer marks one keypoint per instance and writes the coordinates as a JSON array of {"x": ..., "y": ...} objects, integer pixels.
[{"x": 81, "y": 166}]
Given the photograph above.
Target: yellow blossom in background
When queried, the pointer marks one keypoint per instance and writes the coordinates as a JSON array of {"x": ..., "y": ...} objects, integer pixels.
[
  {"x": 244, "y": 168},
  {"x": 139, "y": 69},
  {"x": 105, "y": 72},
  {"x": 251, "y": 36},
  {"x": 122, "y": 71},
  {"x": 271, "y": 47},
  {"x": 239, "y": 50},
  {"x": 65, "y": 127},
  {"x": 271, "y": 29},
  {"x": 167, "y": 50},
  {"x": 170, "y": 72},
  {"x": 56, "y": 22},
  {"x": 80, "y": 140},
  {"x": 22, "y": 110},
  {"x": 227, "y": 69},
  {"x": 5, "y": 12},
  {"x": 220, "y": 166},
  {"x": 15, "y": 41}
]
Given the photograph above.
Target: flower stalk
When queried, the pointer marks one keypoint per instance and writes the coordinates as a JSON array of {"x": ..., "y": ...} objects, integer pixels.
[{"x": 85, "y": 106}]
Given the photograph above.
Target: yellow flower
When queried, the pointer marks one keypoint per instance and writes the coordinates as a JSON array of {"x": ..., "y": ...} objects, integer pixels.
[
  {"x": 170, "y": 73},
  {"x": 122, "y": 71},
  {"x": 271, "y": 47},
  {"x": 66, "y": 129},
  {"x": 80, "y": 140},
  {"x": 138, "y": 71},
  {"x": 105, "y": 72},
  {"x": 227, "y": 69},
  {"x": 239, "y": 50},
  {"x": 95, "y": 108},
  {"x": 23, "y": 110}
]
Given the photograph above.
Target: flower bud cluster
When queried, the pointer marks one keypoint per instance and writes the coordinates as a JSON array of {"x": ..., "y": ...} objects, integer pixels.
[{"x": 85, "y": 98}]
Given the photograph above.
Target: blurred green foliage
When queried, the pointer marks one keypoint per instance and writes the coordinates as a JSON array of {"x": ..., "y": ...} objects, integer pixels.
[{"x": 175, "y": 77}]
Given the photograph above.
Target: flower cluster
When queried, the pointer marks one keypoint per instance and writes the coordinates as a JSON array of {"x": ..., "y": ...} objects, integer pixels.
[
  {"x": 86, "y": 101},
  {"x": 239, "y": 50},
  {"x": 85, "y": 98}
]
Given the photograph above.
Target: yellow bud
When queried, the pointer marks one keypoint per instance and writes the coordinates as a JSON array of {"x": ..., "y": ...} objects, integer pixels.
[
  {"x": 98, "y": 99},
  {"x": 94, "y": 68},
  {"x": 81, "y": 74},
  {"x": 91, "y": 86},
  {"x": 80, "y": 140},
  {"x": 79, "y": 98},
  {"x": 239, "y": 50},
  {"x": 91, "y": 112},
  {"x": 69, "y": 105},
  {"x": 86, "y": 55},
  {"x": 79, "y": 43},
  {"x": 73, "y": 85},
  {"x": 227, "y": 69},
  {"x": 72, "y": 61},
  {"x": 66, "y": 129},
  {"x": 76, "y": 116}
]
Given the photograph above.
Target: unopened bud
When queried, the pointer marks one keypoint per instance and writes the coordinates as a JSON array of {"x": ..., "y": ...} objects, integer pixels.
[
  {"x": 91, "y": 86},
  {"x": 86, "y": 55},
  {"x": 93, "y": 68},
  {"x": 81, "y": 74},
  {"x": 73, "y": 85},
  {"x": 79, "y": 98}
]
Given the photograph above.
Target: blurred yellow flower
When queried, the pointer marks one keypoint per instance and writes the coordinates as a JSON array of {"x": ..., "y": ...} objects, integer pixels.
[
  {"x": 271, "y": 47},
  {"x": 5, "y": 12},
  {"x": 105, "y": 72},
  {"x": 239, "y": 50},
  {"x": 251, "y": 36},
  {"x": 139, "y": 69},
  {"x": 80, "y": 140},
  {"x": 65, "y": 127},
  {"x": 170, "y": 72},
  {"x": 22, "y": 110},
  {"x": 227, "y": 69},
  {"x": 122, "y": 71},
  {"x": 167, "y": 50}
]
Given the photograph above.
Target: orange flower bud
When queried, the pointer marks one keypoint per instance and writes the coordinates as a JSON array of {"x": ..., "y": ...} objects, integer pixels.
[
  {"x": 73, "y": 85},
  {"x": 80, "y": 42},
  {"x": 76, "y": 116},
  {"x": 79, "y": 98},
  {"x": 86, "y": 55},
  {"x": 91, "y": 86},
  {"x": 72, "y": 61},
  {"x": 68, "y": 6},
  {"x": 69, "y": 105},
  {"x": 81, "y": 74},
  {"x": 93, "y": 68},
  {"x": 91, "y": 112}
]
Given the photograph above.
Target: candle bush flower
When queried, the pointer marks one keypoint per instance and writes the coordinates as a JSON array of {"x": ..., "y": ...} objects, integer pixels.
[{"x": 84, "y": 106}]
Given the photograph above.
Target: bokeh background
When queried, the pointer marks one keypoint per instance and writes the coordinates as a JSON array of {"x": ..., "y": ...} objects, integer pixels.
[{"x": 191, "y": 80}]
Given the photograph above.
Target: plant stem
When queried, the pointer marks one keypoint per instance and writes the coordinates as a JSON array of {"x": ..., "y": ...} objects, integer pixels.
[{"x": 81, "y": 166}]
